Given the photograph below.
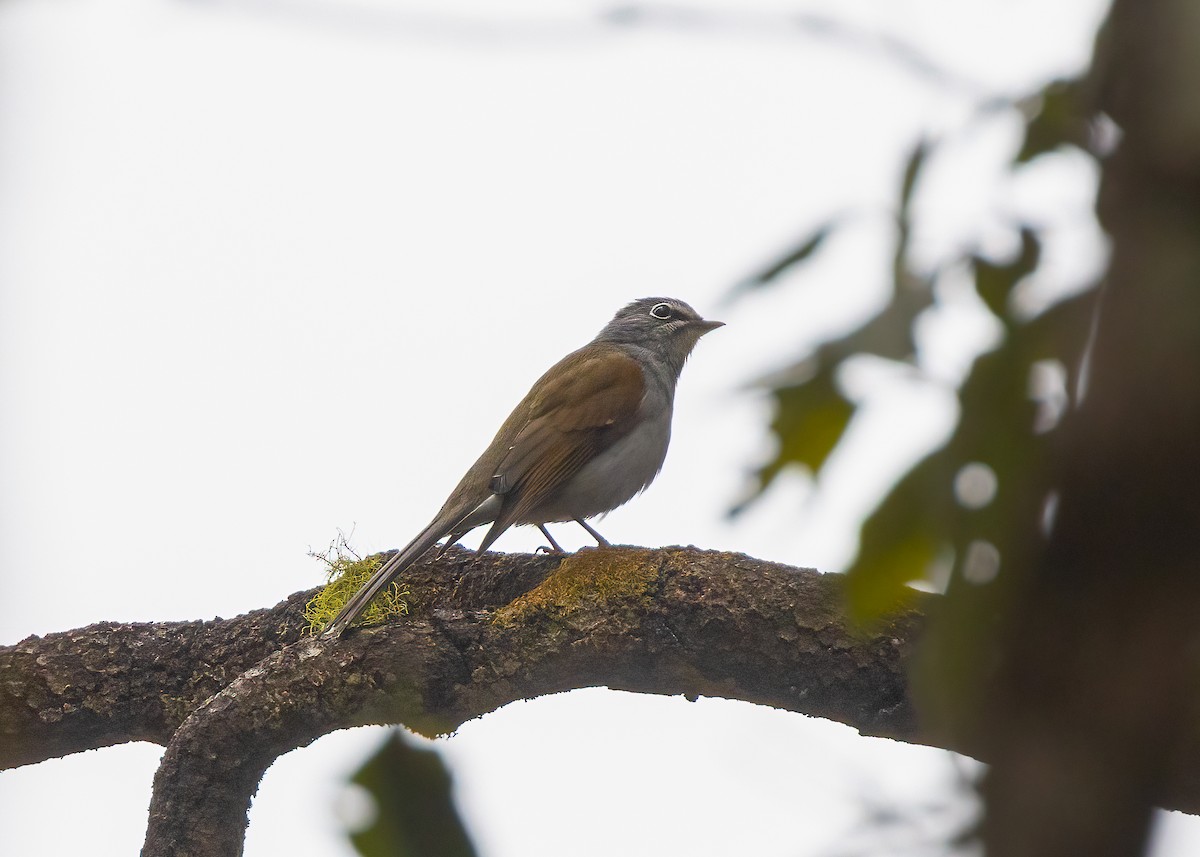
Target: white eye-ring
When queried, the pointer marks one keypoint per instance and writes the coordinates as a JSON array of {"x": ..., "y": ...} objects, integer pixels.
[{"x": 661, "y": 311}]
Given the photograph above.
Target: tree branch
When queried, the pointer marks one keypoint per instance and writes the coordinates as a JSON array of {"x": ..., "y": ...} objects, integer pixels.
[{"x": 229, "y": 696}]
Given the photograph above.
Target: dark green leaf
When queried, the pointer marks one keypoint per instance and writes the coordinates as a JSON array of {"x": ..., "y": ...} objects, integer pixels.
[
  {"x": 416, "y": 817},
  {"x": 901, "y": 540},
  {"x": 810, "y": 419}
]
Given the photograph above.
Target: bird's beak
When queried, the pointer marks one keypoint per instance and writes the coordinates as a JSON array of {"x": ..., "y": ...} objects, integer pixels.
[{"x": 707, "y": 326}]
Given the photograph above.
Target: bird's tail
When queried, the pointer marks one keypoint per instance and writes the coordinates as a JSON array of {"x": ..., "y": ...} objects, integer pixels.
[{"x": 388, "y": 572}]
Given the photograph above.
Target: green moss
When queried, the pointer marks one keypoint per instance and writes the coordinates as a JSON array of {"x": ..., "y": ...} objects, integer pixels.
[
  {"x": 347, "y": 573},
  {"x": 603, "y": 575}
]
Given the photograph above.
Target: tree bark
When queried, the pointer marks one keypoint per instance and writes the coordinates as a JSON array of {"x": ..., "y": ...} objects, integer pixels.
[
  {"x": 1097, "y": 700},
  {"x": 227, "y": 697}
]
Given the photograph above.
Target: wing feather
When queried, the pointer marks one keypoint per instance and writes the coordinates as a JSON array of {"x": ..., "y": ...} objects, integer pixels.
[{"x": 580, "y": 408}]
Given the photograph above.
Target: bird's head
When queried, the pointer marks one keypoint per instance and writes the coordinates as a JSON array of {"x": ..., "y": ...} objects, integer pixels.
[{"x": 666, "y": 326}]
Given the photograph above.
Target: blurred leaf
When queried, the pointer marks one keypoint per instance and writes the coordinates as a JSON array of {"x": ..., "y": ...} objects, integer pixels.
[
  {"x": 416, "y": 817},
  {"x": 994, "y": 282},
  {"x": 950, "y": 678},
  {"x": 921, "y": 519},
  {"x": 901, "y": 540},
  {"x": 912, "y": 169},
  {"x": 890, "y": 334},
  {"x": 812, "y": 415},
  {"x": 906, "y": 282},
  {"x": 1062, "y": 118},
  {"x": 809, "y": 420},
  {"x": 802, "y": 252},
  {"x": 1061, "y": 331}
]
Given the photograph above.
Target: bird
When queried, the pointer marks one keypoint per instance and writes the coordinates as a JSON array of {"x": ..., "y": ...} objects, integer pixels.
[{"x": 590, "y": 434}]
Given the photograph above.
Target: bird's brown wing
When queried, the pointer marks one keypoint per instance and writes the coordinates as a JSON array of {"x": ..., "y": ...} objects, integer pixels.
[{"x": 576, "y": 411}]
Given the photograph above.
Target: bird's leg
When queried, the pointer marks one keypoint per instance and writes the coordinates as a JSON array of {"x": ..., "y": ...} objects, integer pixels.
[
  {"x": 554, "y": 546},
  {"x": 600, "y": 540}
]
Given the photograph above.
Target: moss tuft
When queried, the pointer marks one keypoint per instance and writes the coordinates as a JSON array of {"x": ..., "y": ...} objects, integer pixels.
[
  {"x": 592, "y": 576},
  {"x": 347, "y": 573}
]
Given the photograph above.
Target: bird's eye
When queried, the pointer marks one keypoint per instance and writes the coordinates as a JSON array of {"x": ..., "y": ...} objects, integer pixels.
[{"x": 661, "y": 311}]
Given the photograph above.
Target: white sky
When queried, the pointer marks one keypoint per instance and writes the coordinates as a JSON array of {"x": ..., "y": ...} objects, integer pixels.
[{"x": 271, "y": 269}]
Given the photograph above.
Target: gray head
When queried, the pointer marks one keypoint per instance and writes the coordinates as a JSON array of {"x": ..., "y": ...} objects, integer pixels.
[{"x": 666, "y": 326}]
